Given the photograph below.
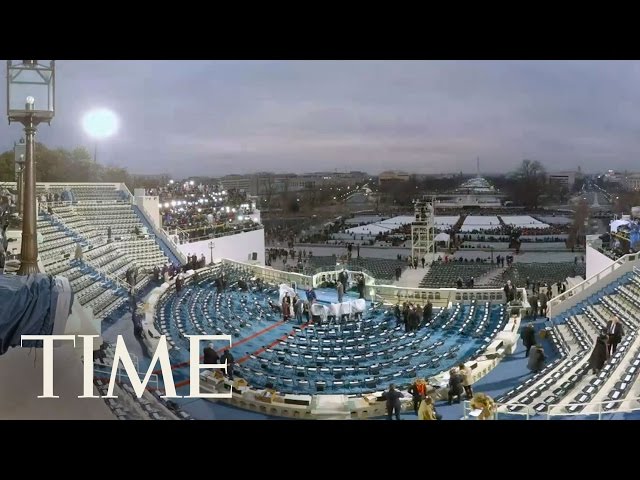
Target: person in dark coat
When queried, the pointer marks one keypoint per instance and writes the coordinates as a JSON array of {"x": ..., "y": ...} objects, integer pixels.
[
  {"x": 393, "y": 402},
  {"x": 615, "y": 334},
  {"x": 536, "y": 359},
  {"x": 427, "y": 312},
  {"x": 509, "y": 291},
  {"x": 227, "y": 357},
  {"x": 210, "y": 355},
  {"x": 533, "y": 301},
  {"x": 361, "y": 286},
  {"x": 455, "y": 386},
  {"x": 600, "y": 354},
  {"x": 528, "y": 336},
  {"x": 397, "y": 313},
  {"x": 543, "y": 304},
  {"x": 179, "y": 283}
]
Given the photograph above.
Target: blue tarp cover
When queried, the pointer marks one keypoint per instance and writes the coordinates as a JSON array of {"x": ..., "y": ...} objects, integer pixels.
[{"x": 27, "y": 307}]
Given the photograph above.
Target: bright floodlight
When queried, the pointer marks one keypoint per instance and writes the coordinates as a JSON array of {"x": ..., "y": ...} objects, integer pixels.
[{"x": 100, "y": 123}]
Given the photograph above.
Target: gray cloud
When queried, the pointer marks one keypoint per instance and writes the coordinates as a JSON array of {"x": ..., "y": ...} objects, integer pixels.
[{"x": 218, "y": 117}]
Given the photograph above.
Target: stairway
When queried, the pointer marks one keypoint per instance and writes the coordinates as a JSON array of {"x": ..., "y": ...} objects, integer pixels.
[
  {"x": 167, "y": 249},
  {"x": 62, "y": 227},
  {"x": 488, "y": 279}
]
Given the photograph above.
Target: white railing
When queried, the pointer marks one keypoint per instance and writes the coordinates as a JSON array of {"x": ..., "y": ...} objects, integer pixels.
[
  {"x": 579, "y": 292},
  {"x": 107, "y": 368},
  {"x": 272, "y": 275},
  {"x": 387, "y": 293},
  {"x": 124, "y": 188},
  {"x": 113, "y": 278},
  {"x": 528, "y": 412},
  {"x": 161, "y": 233}
]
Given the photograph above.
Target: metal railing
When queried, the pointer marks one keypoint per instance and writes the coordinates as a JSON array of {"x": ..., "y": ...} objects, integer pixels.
[
  {"x": 579, "y": 291},
  {"x": 226, "y": 233},
  {"x": 165, "y": 237},
  {"x": 271, "y": 275},
  {"x": 121, "y": 373},
  {"x": 528, "y": 412}
]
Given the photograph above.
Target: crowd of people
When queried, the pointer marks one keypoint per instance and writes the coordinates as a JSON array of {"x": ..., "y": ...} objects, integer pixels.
[
  {"x": 413, "y": 316},
  {"x": 422, "y": 395},
  {"x": 202, "y": 210}
]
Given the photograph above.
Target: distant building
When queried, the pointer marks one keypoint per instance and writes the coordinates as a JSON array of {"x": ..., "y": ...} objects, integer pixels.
[
  {"x": 567, "y": 179},
  {"x": 631, "y": 181},
  {"x": 267, "y": 183},
  {"x": 393, "y": 176}
]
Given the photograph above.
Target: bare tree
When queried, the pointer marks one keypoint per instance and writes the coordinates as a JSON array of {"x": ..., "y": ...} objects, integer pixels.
[{"x": 531, "y": 179}]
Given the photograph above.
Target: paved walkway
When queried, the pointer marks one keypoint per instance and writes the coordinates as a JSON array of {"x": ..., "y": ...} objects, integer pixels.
[{"x": 411, "y": 277}]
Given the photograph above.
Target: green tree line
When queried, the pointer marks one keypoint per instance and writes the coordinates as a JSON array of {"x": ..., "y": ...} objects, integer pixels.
[{"x": 62, "y": 165}]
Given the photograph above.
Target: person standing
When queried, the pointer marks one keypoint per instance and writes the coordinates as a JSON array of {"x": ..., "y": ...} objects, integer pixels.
[
  {"x": 455, "y": 386},
  {"x": 615, "y": 334},
  {"x": 543, "y": 304},
  {"x": 286, "y": 307},
  {"x": 528, "y": 336},
  {"x": 536, "y": 359},
  {"x": 228, "y": 358},
  {"x": 78, "y": 254},
  {"x": 467, "y": 380},
  {"x": 426, "y": 313},
  {"x": 210, "y": 355},
  {"x": 392, "y": 397},
  {"x": 417, "y": 390},
  {"x": 599, "y": 355},
  {"x": 340, "y": 289},
  {"x": 298, "y": 307},
  {"x": 426, "y": 411}
]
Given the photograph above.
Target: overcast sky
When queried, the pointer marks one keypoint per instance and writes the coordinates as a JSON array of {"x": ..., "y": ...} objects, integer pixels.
[{"x": 219, "y": 117}]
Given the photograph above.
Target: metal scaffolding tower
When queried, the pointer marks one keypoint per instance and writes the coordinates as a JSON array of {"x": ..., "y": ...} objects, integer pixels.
[{"x": 423, "y": 230}]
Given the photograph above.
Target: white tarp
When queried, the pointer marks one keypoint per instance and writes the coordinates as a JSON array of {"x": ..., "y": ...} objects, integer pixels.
[
  {"x": 442, "y": 237},
  {"x": 616, "y": 224},
  {"x": 345, "y": 308},
  {"x": 444, "y": 222},
  {"x": 284, "y": 289},
  {"x": 359, "y": 306},
  {"x": 523, "y": 221},
  {"x": 319, "y": 310},
  {"x": 386, "y": 226},
  {"x": 476, "y": 222}
]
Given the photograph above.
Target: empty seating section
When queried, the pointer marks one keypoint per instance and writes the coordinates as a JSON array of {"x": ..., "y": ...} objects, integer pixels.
[
  {"x": 119, "y": 216},
  {"x": 567, "y": 385},
  {"x": 381, "y": 268},
  {"x": 354, "y": 356},
  {"x": 98, "y": 279},
  {"x": 540, "y": 272},
  {"x": 84, "y": 193},
  {"x": 445, "y": 275},
  {"x": 127, "y": 405}
]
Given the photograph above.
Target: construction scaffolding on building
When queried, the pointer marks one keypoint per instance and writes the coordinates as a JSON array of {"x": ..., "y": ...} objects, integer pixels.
[{"x": 423, "y": 230}]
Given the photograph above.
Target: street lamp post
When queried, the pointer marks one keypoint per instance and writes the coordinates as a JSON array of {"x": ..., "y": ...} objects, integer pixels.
[
  {"x": 30, "y": 101},
  {"x": 211, "y": 246},
  {"x": 19, "y": 150}
]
